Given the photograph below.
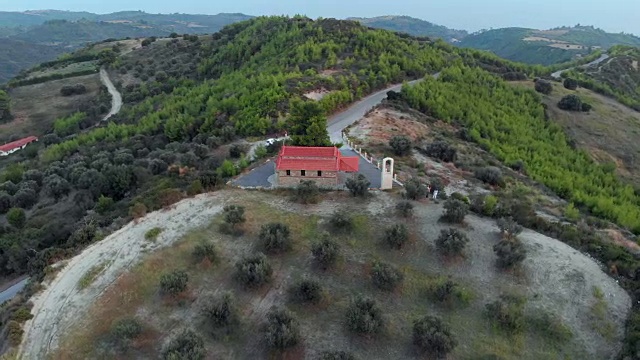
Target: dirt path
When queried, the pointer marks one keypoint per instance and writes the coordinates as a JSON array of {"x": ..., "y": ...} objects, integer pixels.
[
  {"x": 62, "y": 303},
  {"x": 116, "y": 98}
]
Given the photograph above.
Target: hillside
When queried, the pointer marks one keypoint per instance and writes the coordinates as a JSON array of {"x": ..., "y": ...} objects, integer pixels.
[
  {"x": 35, "y": 37},
  {"x": 618, "y": 77},
  {"x": 192, "y": 102},
  {"x": 546, "y": 47},
  {"x": 413, "y": 26},
  {"x": 16, "y": 55}
]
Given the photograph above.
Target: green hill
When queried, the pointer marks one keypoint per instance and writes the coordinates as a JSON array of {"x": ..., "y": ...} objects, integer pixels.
[
  {"x": 413, "y": 26},
  {"x": 617, "y": 77},
  {"x": 38, "y": 36},
  {"x": 546, "y": 46}
]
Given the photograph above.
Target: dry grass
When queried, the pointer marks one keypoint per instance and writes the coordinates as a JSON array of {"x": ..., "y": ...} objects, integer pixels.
[
  {"x": 322, "y": 325},
  {"x": 36, "y": 107},
  {"x": 609, "y": 132}
]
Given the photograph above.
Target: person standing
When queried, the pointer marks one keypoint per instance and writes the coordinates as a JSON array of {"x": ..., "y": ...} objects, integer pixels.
[{"x": 435, "y": 194}]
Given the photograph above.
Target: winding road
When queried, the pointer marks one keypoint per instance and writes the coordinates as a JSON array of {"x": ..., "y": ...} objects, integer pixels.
[
  {"x": 116, "y": 97},
  {"x": 603, "y": 57}
]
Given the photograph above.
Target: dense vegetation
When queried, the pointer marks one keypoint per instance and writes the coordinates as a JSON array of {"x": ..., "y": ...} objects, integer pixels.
[
  {"x": 29, "y": 37},
  {"x": 412, "y": 26},
  {"x": 509, "y": 43},
  {"x": 511, "y": 124},
  {"x": 618, "y": 77}
]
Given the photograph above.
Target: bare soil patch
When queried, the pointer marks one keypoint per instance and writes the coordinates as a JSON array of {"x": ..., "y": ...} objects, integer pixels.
[
  {"x": 555, "y": 278},
  {"x": 317, "y": 95}
]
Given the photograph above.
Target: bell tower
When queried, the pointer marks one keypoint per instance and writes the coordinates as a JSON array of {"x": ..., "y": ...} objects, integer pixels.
[{"x": 387, "y": 174}]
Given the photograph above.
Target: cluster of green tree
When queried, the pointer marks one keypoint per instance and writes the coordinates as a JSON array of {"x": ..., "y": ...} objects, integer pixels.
[
  {"x": 47, "y": 78},
  {"x": 69, "y": 125},
  {"x": 511, "y": 124},
  {"x": 5, "y": 107},
  {"x": 70, "y": 90}
]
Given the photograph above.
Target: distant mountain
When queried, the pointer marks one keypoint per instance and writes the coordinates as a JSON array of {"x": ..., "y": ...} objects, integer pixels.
[
  {"x": 546, "y": 46},
  {"x": 413, "y": 26},
  {"x": 32, "y": 37}
]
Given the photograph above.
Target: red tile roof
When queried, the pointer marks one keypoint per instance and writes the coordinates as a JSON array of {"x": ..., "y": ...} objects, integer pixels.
[
  {"x": 315, "y": 158},
  {"x": 18, "y": 143}
]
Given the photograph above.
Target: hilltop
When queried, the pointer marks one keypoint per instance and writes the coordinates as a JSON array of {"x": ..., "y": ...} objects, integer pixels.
[
  {"x": 192, "y": 106},
  {"x": 413, "y": 26},
  {"x": 546, "y": 46}
]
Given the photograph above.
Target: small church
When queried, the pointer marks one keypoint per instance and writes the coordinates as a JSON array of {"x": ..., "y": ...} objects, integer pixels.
[{"x": 323, "y": 165}]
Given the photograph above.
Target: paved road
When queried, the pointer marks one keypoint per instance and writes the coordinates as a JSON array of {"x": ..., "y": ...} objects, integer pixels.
[
  {"x": 257, "y": 177},
  {"x": 603, "y": 57},
  {"x": 373, "y": 174},
  {"x": 12, "y": 290},
  {"x": 357, "y": 111},
  {"x": 116, "y": 98}
]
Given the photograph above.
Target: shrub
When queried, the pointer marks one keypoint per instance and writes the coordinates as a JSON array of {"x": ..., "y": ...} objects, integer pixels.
[
  {"x": 341, "y": 220},
  {"x": 401, "y": 145},
  {"x": 195, "y": 188},
  {"x": 306, "y": 291},
  {"x": 187, "y": 345},
  {"x": 307, "y": 192},
  {"x": 414, "y": 189},
  {"x": 451, "y": 242},
  {"x": 570, "y": 84},
  {"x": 571, "y": 213},
  {"x": 445, "y": 290},
  {"x": 551, "y": 327},
  {"x": 152, "y": 234},
  {"x": 234, "y": 215},
  {"x": 174, "y": 282},
  {"x": 282, "y": 330},
  {"x": 573, "y": 103},
  {"x": 396, "y": 236},
  {"x": 76, "y": 89},
  {"x": 364, "y": 316},
  {"x": 235, "y": 151},
  {"x": 275, "y": 237},
  {"x": 325, "y": 251},
  {"x": 461, "y": 197},
  {"x": 336, "y": 355},
  {"x": 490, "y": 175},
  {"x": 5, "y": 202},
  {"x": 125, "y": 330},
  {"x": 205, "y": 250},
  {"x": 509, "y": 227},
  {"x": 137, "y": 211},
  {"x": 543, "y": 86},
  {"x": 14, "y": 332},
  {"x": 16, "y": 217},
  {"x": 510, "y": 253},
  {"x": 455, "y": 211},
  {"x": 385, "y": 276},
  {"x": 405, "y": 209},
  {"x": 432, "y": 335},
  {"x": 586, "y": 107},
  {"x": 441, "y": 150},
  {"x": 104, "y": 204},
  {"x": 358, "y": 186},
  {"x": 507, "y": 312},
  {"x": 253, "y": 271},
  {"x": 220, "y": 311}
]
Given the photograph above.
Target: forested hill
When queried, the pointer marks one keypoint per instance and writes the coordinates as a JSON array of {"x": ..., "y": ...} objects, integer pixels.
[
  {"x": 618, "y": 77},
  {"x": 546, "y": 46},
  {"x": 413, "y": 26},
  {"x": 57, "y": 32},
  {"x": 204, "y": 92}
]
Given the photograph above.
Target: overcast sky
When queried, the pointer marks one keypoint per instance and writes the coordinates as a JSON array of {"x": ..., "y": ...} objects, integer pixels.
[{"x": 611, "y": 15}]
